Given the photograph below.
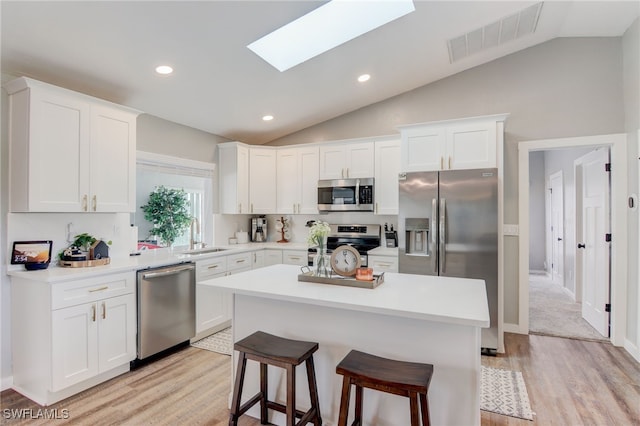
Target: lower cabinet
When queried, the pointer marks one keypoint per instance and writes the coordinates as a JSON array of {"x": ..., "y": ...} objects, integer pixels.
[
  {"x": 383, "y": 263},
  {"x": 295, "y": 257},
  {"x": 68, "y": 336}
]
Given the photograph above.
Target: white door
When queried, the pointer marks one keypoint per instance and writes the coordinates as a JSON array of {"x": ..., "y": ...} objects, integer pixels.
[
  {"x": 596, "y": 256},
  {"x": 288, "y": 185},
  {"x": 262, "y": 181},
  {"x": 308, "y": 166},
  {"x": 387, "y": 161},
  {"x": 116, "y": 332},
  {"x": 360, "y": 160},
  {"x": 556, "y": 196}
]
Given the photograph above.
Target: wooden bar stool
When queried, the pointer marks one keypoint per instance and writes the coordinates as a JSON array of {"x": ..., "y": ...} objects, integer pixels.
[
  {"x": 408, "y": 379},
  {"x": 268, "y": 349}
]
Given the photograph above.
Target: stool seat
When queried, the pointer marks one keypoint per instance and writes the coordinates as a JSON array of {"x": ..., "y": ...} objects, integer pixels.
[
  {"x": 276, "y": 348},
  {"x": 268, "y": 349},
  {"x": 409, "y": 379}
]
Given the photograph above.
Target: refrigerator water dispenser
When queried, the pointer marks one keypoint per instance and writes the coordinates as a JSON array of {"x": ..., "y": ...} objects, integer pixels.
[{"x": 417, "y": 236}]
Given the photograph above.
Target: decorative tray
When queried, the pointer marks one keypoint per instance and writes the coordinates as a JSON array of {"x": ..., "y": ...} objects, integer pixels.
[
  {"x": 308, "y": 276},
  {"x": 84, "y": 263}
]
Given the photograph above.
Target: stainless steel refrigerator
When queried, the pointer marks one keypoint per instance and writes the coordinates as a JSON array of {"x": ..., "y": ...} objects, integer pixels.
[{"x": 448, "y": 226}]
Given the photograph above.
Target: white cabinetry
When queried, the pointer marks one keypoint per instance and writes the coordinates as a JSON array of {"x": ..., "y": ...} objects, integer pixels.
[
  {"x": 69, "y": 152},
  {"x": 347, "y": 160},
  {"x": 272, "y": 257},
  {"x": 387, "y": 167},
  {"x": 257, "y": 259},
  {"x": 453, "y": 144},
  {"x": 212, "y": 308},
  {"x": 262, "y": 181},
  {"x": 71, "y": 335},
  {"x": 295, "y": 257},
  {"x": 297, "y": 180},
  {"x": 383, "y": 263},
  {"x": 233, "y": 161}
]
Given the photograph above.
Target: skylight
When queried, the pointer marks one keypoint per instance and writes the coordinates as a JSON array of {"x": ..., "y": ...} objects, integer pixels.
[{"x": 326, "y": 27}]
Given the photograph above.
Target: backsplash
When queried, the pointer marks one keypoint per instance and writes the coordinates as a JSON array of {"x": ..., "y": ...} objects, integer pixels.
[{"x": 54, "y": 226}]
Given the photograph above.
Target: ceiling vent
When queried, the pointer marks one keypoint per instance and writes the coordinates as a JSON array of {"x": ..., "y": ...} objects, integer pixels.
[{"x": 497, "y": 33}]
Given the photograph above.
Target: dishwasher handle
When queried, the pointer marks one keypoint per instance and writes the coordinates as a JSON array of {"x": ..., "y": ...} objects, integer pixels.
[{"x": 166, "y": 272}]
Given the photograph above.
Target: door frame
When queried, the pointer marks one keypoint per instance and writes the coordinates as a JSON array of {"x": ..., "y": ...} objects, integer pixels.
[{"x": 619, "y": 253}]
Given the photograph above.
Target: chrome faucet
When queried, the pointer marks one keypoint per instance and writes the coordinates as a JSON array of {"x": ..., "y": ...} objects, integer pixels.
[{"x": 193, "y": 242}]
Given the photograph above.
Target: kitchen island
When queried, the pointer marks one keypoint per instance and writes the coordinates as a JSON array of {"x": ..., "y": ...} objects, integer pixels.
[{"x": 435, "y": 320}]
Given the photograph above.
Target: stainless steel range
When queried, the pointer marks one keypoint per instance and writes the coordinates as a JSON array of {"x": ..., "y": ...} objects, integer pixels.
[{"x": 362, "y": 237}]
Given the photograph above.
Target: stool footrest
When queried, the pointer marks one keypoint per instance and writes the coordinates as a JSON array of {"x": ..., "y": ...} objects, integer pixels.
[{"x": 250, "y": 403}]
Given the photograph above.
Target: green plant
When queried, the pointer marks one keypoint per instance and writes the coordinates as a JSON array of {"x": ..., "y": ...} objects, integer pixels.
[
  {"x": 168, "y": 210},
  {"x": 83, "y": 242}
]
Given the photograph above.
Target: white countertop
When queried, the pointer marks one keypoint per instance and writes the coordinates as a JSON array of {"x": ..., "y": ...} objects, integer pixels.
[
  {"x": 147, "y": 259},
  {"x": 384, "y": 251},
  {"x": 441, "y": 299}
]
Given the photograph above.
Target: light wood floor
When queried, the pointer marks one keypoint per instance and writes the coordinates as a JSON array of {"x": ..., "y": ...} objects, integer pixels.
[{"x": 570, "y": 382}]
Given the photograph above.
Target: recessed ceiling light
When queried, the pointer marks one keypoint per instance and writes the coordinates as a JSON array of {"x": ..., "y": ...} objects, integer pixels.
[
  {"x": 267, "y": 117},
  {"x": 164, "y": 69},
  {"x": 324, "y": 28},
  {"x": 363, "y": 78}
]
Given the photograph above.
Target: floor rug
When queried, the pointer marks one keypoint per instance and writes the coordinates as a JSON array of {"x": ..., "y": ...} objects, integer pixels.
[
  {"x": 504, "y": 392},
  {"x": 219, "y": 342}
]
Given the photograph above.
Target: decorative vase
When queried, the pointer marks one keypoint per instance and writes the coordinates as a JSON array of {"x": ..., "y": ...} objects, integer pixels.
[{"x": 321, "y": 267}]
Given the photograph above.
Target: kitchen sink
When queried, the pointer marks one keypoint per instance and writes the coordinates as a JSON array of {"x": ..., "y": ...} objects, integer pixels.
[{"x": 206, "y": 250}]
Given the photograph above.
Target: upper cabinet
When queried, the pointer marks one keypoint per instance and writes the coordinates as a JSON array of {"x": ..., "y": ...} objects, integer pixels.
[
  {"x": 297, "y": 180},
  {"x": 469, "y": 143},
  {"x": 262, "y": 181},
  {"x": 347, "y": 160},
  {"x": 69, "y": 152},
  {"x": 233, "y": 161},
  {"x": 387, "y": 167}
]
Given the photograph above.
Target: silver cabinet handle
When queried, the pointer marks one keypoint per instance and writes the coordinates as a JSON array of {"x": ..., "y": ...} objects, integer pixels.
[
  {"x": 84, "y": 203},
  {"x": 99, "y": 289},
  {"x": 240, "y": 260},
  {"x": 347, "y": 172},
  {"x": 104, "y": 310},
  {"x": 94, "y": 202},
  {"x": 93, "y": 312},
  {"x": 449, "y": 162},
  {"x": 441, "y": 163},
  {"x": 443, "y": 237},
  {"x": 212, "y": 266}
]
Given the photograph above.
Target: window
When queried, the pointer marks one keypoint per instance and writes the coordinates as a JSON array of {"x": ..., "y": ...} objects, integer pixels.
[{"x": 194, "y": 177}]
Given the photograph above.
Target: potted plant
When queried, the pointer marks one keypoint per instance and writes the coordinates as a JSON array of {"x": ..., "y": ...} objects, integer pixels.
[{"x": 168, "y": 210}]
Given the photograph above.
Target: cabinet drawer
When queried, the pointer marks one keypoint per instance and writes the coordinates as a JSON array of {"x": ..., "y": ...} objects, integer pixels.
[
  {"x": 239, "y": 261},
  {"x": 207, "y": 268},
  {"x": 76, "y": 292},
  {"x": 383, "y": 264},
  {"x": 295, "y": 257}
]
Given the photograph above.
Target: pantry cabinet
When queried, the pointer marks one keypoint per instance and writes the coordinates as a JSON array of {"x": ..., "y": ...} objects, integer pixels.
[
  {"x": 69, "y": 152},
  {"x": 68, "y": 336},
  {"x": 297, "y": 180},
  {"x": 387, "y": 167},
  {"x": 347, "y": 160},
  {"x": 452, "y": 144}
]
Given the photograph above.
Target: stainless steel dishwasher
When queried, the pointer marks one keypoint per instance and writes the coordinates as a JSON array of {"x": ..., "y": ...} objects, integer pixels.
[{"x": 166, "y": 308}]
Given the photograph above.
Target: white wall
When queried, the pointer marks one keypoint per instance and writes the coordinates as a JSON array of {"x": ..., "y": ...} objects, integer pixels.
[{"x": 537, "y": 197}]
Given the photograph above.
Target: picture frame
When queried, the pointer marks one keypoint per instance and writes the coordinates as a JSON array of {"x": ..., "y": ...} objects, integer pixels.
[{"x": 31, "y": 252}]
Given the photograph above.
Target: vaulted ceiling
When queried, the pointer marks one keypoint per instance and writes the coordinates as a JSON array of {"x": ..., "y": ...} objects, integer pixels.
[{"x": 110, "y": 49}]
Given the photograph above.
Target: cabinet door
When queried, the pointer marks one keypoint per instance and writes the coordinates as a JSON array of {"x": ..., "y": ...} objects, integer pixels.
[
  {"x": 383, "y": 264},
  {"x": 211, "y": 305},
  {"x": 74, "y": 345},
  {"x": 387, "y": 160},
  {"x": 116, "y": 331},
  {"x": 56, "y": 155},
  {"x": 423, "y": 149},
  {"x": 295, "y": 257},
  {"x": 471, "y": 147},
  {"x": 262, "y": 181},
  {"x": 332, "y": 162},
  {"x": 288, "y": 184},
  {"x": 242, "y": 189},
  {"x": 360, "y": 162},
  {"x": 233, "y": 176},
  {"x": 113, "y": 160},
  {"x": 258, "y": 259},
  {"x": 308, "y": 175},
  {"x": 272, "y": 257}
]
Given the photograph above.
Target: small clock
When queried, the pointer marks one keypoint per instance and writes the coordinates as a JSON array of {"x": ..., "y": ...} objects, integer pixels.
[{"x": 345, "y": 260}]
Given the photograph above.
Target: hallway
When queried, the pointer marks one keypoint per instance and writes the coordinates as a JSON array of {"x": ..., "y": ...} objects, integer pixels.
[{"x": 552, "y": 312}]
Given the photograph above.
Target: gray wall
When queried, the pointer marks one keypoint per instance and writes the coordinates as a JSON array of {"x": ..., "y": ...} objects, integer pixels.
[
  {"x": 563, "y": 88},
  {"x": 537, "y": 199},
  {"x": 631, "y": 71}
]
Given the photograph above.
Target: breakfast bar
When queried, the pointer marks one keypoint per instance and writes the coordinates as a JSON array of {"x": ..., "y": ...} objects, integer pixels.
[{"x": 416, "y": 318}]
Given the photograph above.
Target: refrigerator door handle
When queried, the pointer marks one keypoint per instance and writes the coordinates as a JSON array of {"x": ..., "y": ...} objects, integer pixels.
[
  {"x": 434, "y": 235},
  {"x": 443, "y": 227}
]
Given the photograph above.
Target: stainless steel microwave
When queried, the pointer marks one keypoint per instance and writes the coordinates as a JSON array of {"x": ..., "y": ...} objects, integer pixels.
[{"x": 345, "y": 195}]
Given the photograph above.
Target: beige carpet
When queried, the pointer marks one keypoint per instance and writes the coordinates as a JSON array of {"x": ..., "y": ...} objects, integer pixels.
[{"x": 552, "y": 312}]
